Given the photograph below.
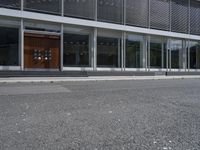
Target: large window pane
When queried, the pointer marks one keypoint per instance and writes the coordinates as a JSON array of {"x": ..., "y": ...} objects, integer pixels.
[
  {"x": 76, "y": 47},
  {"x": 156, "y": 52},
  {"x": 10, "y": 3},
  {"x": 9, "y": 46},
  {"x": 108, "y": 50},
  {"x": 160, "y": 14},
  {"x": 137, "y": 12},
  {"x": 180, "y": 13},
  {"x": 134, "y": 51},
  {"x": 176, "y": 54},
  {"x": 45, "y": 6},
  {"x": 80, "y": 8},
  {"x": 110, "y": 10},
  {"x": 194, "y": 55},
  {"x": 194, "y": 17}
]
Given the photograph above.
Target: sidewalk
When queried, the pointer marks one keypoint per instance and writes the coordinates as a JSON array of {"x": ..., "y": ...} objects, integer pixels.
[{"x": 96, "y": 78}]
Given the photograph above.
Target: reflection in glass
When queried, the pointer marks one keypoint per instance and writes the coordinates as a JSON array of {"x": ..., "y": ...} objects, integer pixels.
[
  {"x": 108, "y": 52},
  {"x": 134, "y": 51},
  {"x": 15, "y": 4},
  {"x": 76, "y": 50},
  {"x": 45, "y": 6},
  {"x": 176, "y": 54},
  {"x": 110, "y": 10},
  {"x": 9, "y": 46},
  {"x": 155, "y": 53},
  {"x": 194, "y": 48}
]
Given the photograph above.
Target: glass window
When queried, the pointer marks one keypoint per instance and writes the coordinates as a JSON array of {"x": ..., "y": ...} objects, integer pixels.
[
  {"x": 176, "y": 54},
  {"x": 160, "y": 14},
  {"x": 76, "y": 47},
  {"x": 137, "y": 12},
  {"x": 108, "y": 50},
  {"x": 9, "y": 46},
  {"x": 80, "y": 8},
  {"x": 179, "y": 15},
  {"x": 45, "y": 6},
  {"x": 156, "y": 52},
  {"x": 134, "y": 51},
  {"x": 110, "y": 10},
  {"x": 16, "y": 4},
  {"x": 194, "y": 49},
  {"x": 194, "y": 17}
]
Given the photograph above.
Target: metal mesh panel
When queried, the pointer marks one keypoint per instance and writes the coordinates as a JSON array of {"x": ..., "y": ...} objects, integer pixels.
[
  {"x": 110, "y": 10},
  {"x": 10, "y": 3},
  {"x": 160, "y": 14},
  {"x": 80, "y": 9},
  {"x": 195, "y": 17},
  {"x": 45, "y": 6},
  {"x": 180, "y": 13},
  {"x": 137, "y": 12}
]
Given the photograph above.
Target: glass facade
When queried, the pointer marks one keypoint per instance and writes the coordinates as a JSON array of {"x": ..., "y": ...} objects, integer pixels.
[
  {"x": 9, "y": 46},
  {"x": 14, "y": 4},
  {"x": 194, "y": 55},
  {"x": 108, "y": 50},
  {"x": 80, "y": 8},
  {"x": 45, "y": 6},
  {"x": 194, "y": 17},
  {"x": 135, "y": 45}
]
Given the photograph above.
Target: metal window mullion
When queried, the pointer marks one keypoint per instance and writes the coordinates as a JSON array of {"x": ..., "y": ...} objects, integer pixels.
[
  {"x": 148, "y": 53},
  {"x": 22, "y": 44},
  {"x": 96, "y": 10},
  {"x": 62, "y": 47},
  {"x": 63, "y": 8},
  {"x": 188, "y": 51},
  {"x": 189, "y": 15},
  {"x": 149, "y": 19},
  {"x": 124, "y": 12},
  {"x": 22, "y": 5},
  {"x": 162, "y": 53},
  {"x": 170, "y": 15},
  {"x": 94, "y": 47}
]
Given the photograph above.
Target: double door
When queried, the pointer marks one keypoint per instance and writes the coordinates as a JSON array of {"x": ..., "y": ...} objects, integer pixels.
[{"x": 41, "y": 52}]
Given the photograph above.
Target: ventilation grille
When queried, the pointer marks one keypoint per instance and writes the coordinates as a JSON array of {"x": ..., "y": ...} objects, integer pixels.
[
  {"x": 80, "y": 9},
  {"x": 137, "y": 13},
  {"x": 179, "y": 15},
  {"x": 195, "y": 17},
  {"x": 10, "y": 3},
  {"x": 45, "y": 6},
  {"x": 110, "y": 10},
  {"x": 160, "y": 14}
]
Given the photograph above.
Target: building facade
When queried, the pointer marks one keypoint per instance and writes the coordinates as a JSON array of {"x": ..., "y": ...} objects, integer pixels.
[{"x": 100, "y": 35}]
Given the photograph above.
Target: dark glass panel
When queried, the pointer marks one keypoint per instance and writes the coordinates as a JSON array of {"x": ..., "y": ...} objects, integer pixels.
[
  {"x": 80, "y": 8},
  {"x": 155, "y": 54},
  {"x": 45, "y": 6},
  {"x": 176, "y": 54},
  {"x": 9, "y": 46},
  {"x": 194, "y": 55},
  {"x": 76, "y": 50},
  {"x": 16, "y": 4},
  {"x": 110, "y": 11}
]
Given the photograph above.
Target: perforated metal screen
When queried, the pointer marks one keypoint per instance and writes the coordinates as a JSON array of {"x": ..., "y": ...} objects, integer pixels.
[
  {"x": 10, "y": 3},
  {"x": 179, "y": 15},
  {"x": 137, "y": 12},
  {"x": 160, "y": 14},
  {"x": 110, "y": 10},
  {"x": 45, "y": 6},
  {"x": 80, "y": 8},
  {"x": 195, "y": 17}
]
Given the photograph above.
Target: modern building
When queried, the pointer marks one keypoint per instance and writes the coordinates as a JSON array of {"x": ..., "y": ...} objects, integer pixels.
[{"x": 100, "y": 35}]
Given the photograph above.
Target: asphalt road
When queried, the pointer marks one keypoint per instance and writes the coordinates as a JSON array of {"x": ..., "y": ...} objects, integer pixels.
[{"x": 103, "y": 115}]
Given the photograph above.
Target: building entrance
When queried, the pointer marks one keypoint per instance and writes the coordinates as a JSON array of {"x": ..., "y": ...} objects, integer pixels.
[{"x": 41, "y": 52}]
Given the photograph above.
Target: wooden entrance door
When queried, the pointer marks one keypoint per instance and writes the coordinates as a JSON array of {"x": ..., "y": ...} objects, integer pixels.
[{"x": 41, "y": 51}]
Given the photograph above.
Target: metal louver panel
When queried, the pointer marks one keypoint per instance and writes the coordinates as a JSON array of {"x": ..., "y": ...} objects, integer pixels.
[
  {"x": 180, "y": 13},
  {"x": 10, "y": 3},
  {"x": 45, "y": 6},
  {"x": 195, "y": 17},
  {"x": 110, "y": 10},
  {"x": 137, "y": 13},
  {"x": 160, "y": 14},
  {"x": 80, "y": 8}
]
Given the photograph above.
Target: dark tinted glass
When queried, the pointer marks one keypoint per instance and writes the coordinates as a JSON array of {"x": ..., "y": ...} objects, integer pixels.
[
  {"x": 80, "y": 8},
  {"x": 137, "y": 12},
  {"x": 180, "y": 13},
  {"x": 110, "y": 10},
  {"x": 194, "y": 17},
  {"x": 9, "y": 46},
  {"x": 76, "y": 50},
  {"x": 160, "y": 14},
  {"x": 155, "y": 55},
  {"x": 10, "y": 4},
  {"x": 45, "y": 6},
  {"x": 108, "y": 52},
  {"x": 194, "y": 55}
]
